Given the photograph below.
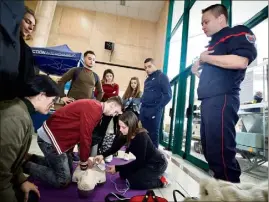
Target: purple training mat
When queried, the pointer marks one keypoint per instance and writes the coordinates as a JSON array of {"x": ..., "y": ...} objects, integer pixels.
[{"x": 69, "y": 194}]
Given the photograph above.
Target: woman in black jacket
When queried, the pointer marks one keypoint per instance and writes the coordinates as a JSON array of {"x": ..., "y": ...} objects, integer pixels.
[
  {"x": 26, "y": 65},
  {"x": 26, "y": 71},
  {"x": 146, "y": 171}
]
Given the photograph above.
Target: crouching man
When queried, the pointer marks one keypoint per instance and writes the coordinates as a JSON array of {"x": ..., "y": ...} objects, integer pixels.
[
  {"x": 68, "y": 126},
  {"x": 16, "y": 130}
]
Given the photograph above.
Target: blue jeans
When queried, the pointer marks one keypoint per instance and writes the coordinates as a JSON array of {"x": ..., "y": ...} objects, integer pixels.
[{"x": 53, "y": 169}]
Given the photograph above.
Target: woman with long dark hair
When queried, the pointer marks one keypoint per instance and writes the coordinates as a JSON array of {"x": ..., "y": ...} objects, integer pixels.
[
  {"x": 131, "y": 97},
  {"x": 107, "y": 126},
  {"x": 146, "y": 171},
  {"x": 110, "y": 88},
  {"x": 133, "y": 89},
  {"x": 27, "y": 69}
]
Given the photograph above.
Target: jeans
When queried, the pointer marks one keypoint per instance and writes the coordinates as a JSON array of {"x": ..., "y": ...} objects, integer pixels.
[
  {"x": 147, "y": 177},
  {"x": 53, "y": 169}
]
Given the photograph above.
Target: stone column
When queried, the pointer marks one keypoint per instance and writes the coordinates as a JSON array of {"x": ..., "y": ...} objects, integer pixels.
[{"x": 44, "y": 13}]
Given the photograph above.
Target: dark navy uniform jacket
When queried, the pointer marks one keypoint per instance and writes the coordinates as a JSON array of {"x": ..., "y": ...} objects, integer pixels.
[
  {"x": 215, "y": 80},
  {"x": 157, "y": 92}
]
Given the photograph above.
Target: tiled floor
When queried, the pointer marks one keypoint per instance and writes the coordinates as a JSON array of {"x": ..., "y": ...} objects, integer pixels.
[{"x": 182, "y": 175}]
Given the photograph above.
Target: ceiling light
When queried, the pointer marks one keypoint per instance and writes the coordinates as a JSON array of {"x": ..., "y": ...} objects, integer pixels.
[{"x": 122, "y": 2}]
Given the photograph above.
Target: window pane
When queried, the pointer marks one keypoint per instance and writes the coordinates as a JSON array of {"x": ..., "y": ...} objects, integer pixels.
[
  {"x": 260, "y": 77},
  {"x": 244, "y": 10},
  {"x": 197, "y": 39},
  {"x": 261, "y": 33},
  {"x": 195, "y": 27},
  {"x": 196, "y": 44},
  {"x": 174, "y": 54},
  {"x": 177, "y": 12},
  {"x": 167, "y": 120}
]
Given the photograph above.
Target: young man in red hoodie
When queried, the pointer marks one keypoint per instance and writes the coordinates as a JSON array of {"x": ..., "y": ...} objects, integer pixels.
[{"x": 67, "y": 127}]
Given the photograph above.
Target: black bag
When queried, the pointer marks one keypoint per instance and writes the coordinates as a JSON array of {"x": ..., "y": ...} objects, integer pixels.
[{"x": 177, "y": 191}]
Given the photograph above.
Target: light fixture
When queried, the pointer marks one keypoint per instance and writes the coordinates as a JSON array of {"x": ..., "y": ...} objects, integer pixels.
[{"x": 122, "y": 2}]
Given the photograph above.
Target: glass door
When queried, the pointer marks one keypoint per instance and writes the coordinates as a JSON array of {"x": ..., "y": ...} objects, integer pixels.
[{"x": 167, "y": 131}]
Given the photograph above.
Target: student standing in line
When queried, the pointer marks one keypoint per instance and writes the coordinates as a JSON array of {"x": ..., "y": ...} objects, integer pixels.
[
  {"x": 107, "y": 125},
  {"x": 133, "y": 89},
  {"x": 157, "y": 93},
  {"x": 132, "y": 94},
  {"x": 146, "y": 171},
  {"x": 84, "y": 81},
  {"x": 110, "y": 88},
  {"x": 26, "y": 67}
]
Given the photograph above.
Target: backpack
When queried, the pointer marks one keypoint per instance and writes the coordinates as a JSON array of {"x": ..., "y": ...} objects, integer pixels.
[{"x": 76, "y": 73}]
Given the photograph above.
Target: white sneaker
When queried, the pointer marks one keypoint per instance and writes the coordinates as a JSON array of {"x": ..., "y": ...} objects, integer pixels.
[
  {"x": 109, "y": 159},
  {"x": 126, "y": 157}
]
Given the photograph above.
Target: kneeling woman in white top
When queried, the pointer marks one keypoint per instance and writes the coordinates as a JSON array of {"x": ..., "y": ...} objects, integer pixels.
[{"x": 146, "y": 171}]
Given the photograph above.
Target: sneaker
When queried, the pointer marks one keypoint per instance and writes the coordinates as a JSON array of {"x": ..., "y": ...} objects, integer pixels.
[
  {"x": 126, "y": 157},
  {"x": 116, "y": 154},
  {"x": 109, "y": 159},
  {"x": 164, "y": 181}
]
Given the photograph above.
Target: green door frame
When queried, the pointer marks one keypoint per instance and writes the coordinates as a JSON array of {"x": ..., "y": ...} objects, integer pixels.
[
  {"x": 166, "y": 58},
  {"x": 181, "y": 19},
  {"x": 181, "y": 95},
  {"x": 198, "y": 162},
  {"x": 257, "y": 18},
  {"x": 168, "y": 145},
  {"x": 228, "y": 5},
  {"x": 168, "y": 36}
]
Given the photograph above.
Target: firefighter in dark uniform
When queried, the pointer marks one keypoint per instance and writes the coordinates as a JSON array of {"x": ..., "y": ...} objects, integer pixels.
[{"x": 224, "y": 64}]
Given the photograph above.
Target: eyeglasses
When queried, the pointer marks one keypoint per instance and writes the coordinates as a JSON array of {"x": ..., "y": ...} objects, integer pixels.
[{"x": 55, "y": 99}]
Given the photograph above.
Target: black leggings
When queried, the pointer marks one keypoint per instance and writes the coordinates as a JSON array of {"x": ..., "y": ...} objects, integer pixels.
[{"x": 147, "y": 177}]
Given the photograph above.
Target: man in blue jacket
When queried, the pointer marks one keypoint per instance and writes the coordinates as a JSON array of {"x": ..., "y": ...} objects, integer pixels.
[
  {"x": 224, "y": 65},
  {"x": 157, "y": 93}
]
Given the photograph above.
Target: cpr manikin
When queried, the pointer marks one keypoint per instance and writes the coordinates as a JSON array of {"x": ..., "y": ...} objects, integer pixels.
[{"x": 87, "y": 180}]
